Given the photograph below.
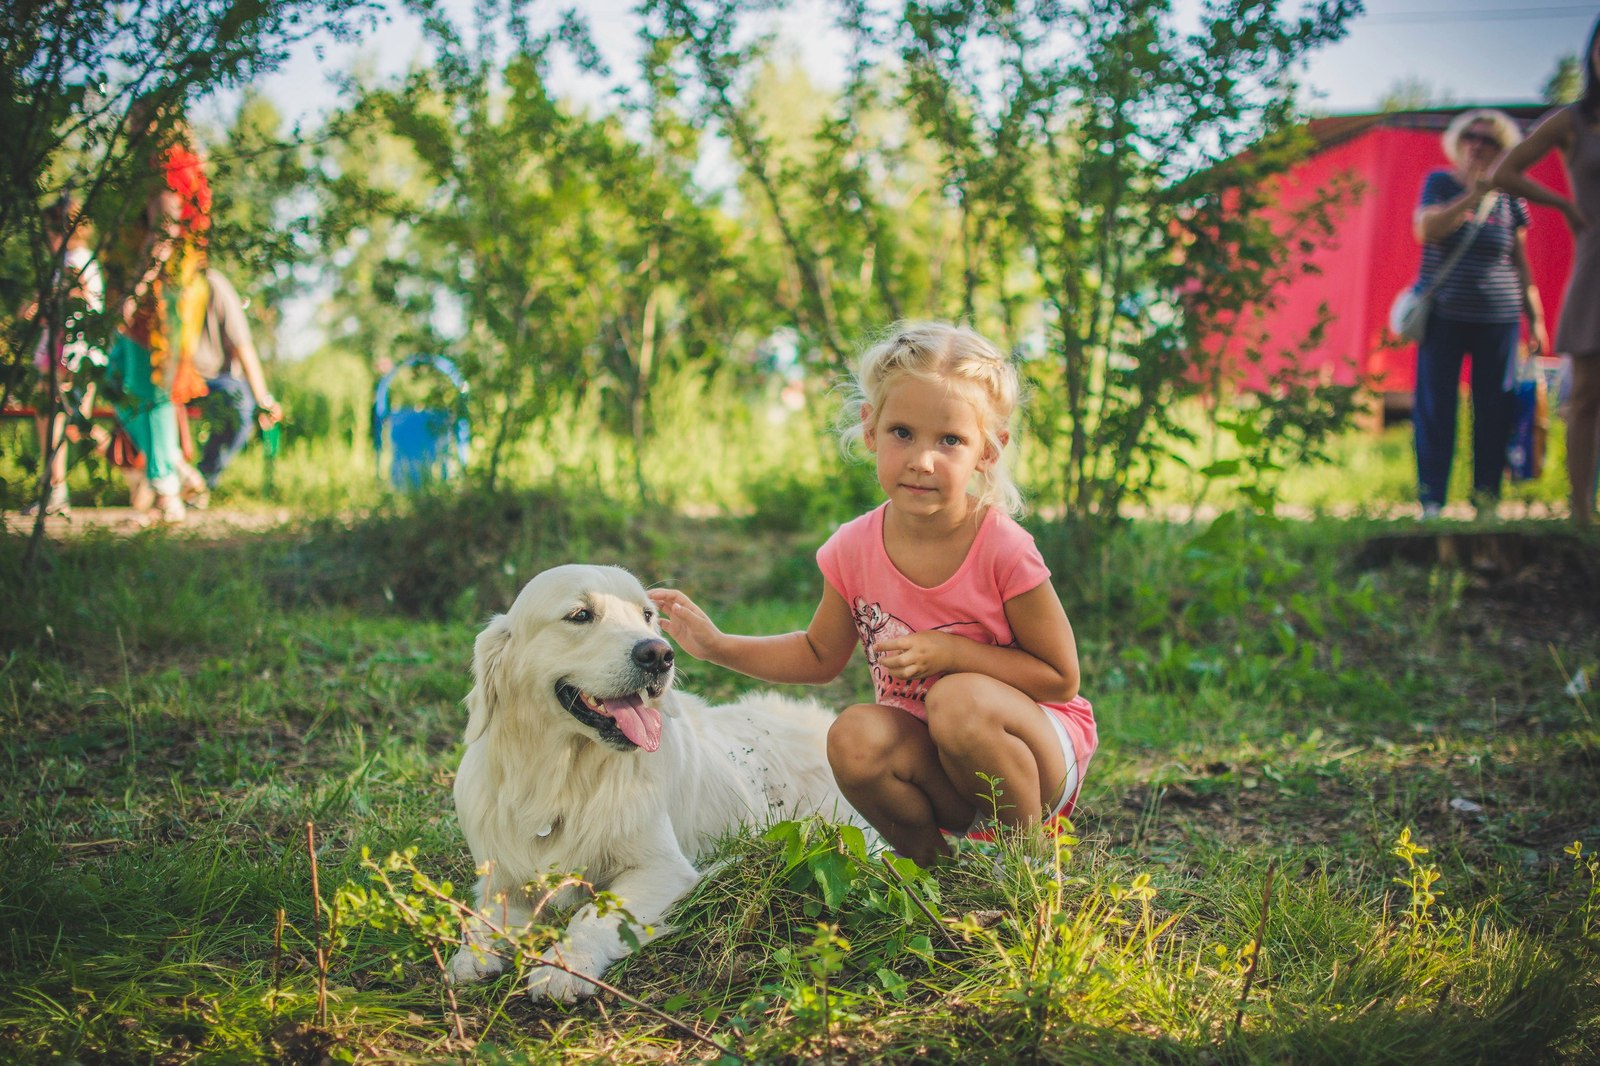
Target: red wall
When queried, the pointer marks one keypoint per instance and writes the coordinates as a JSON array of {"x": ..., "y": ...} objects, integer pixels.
[{"x": 1373, "y": 255}]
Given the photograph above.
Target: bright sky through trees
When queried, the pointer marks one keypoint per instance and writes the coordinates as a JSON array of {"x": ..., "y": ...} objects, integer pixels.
[{"x": 1493, "y": 51}]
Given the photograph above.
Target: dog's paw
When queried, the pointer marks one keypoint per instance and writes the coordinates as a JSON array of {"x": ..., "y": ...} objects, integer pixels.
[
  {"x": 473, "y": 963},
  {"x": 548, "y": 982}
]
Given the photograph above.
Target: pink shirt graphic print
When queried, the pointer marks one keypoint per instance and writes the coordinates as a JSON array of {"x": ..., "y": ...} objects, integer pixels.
[{"x": 1002, "y": 563}]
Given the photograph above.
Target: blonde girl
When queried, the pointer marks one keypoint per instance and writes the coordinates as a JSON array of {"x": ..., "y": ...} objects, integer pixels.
[{"x": 976, "y": 715}]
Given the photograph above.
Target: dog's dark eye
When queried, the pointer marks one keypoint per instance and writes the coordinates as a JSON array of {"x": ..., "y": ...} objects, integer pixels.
[
  {"x": 582, "y": 616},
  {"x": 649, "y": 616}
]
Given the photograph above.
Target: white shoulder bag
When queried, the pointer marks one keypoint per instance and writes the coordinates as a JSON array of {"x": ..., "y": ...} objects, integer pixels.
[{"x": 1408, "y": 315}]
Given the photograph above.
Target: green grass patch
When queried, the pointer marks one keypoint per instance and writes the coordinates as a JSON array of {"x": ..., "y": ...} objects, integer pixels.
[{"x": 1287, "y": 717}]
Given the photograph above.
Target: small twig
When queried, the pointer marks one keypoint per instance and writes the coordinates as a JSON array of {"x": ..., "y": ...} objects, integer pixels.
[
  {"x": 450, "y": 994},
  {"x": 277, "y": 967},
  {"x": 499, "y": 931},
  {"x": 921, "y": 906},
  {"x": 681, "y": 1026},
  {"x": 1255, "y": 948},
  {"x": 316, "y": 924}
]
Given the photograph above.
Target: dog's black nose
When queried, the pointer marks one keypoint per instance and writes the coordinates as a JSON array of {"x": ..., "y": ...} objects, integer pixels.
[{"x": 654, "y": 655}]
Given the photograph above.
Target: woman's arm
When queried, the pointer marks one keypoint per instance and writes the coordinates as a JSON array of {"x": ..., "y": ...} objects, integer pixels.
[
  {"x": 1437, "y": 221},
  {"x": 1043, "y": 665},
  {"x": 813, "y": 656},
  {"x": 1555, "y": 132}
]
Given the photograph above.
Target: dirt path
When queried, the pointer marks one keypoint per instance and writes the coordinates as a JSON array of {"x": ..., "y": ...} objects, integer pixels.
[
  {"x": 212, "y": 524},
  {"x": 220, "y": 522}
]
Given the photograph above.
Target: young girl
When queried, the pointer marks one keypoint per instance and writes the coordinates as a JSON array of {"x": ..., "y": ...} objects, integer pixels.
[
  {"x": 973, "y": 661},
  {"x": 1574, "y": 130}
]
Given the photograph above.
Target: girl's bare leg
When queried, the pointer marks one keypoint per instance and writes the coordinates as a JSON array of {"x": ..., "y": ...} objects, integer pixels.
[
  {"x": 888, "y": 768},
  {"x": 1583, "y": 436},
  {"x": 996, "y": 747}
]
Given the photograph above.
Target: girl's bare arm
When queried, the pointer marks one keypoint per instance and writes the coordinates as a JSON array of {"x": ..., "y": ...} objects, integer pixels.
[
  {"x": 812, "y": 656},
  {"x": 1043, "y": 665},
  {"x": 1555, "y": 132}
]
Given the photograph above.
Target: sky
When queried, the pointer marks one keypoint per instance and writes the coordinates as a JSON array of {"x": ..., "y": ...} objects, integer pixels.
[{"x": 1460, "y": 51}]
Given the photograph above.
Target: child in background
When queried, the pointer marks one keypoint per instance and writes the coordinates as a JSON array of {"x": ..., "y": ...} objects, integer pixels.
[
  {"x": 78, "y": 279},
  {"x": 975, "y": 670}
]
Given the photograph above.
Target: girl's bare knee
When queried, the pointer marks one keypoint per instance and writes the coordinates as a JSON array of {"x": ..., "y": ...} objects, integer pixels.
[
  {"x": 958, "y": 715},
  {"x": 857, "y": 744}
]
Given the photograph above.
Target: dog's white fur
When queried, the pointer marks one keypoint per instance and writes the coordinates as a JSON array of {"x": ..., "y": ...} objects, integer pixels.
[{"x": 541, "y": 792}]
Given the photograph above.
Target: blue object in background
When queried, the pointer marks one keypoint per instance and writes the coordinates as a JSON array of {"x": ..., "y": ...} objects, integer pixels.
[{"x": 424, "y": 444}]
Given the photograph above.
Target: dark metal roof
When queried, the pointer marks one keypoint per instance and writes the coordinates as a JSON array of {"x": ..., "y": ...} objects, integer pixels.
[{"x": 1336, "y": 129}]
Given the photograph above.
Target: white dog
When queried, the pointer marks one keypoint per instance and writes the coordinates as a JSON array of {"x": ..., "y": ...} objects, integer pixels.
[{"x": 580, "y": 757}]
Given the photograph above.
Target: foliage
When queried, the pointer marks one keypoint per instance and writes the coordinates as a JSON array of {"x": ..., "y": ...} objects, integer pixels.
[
  {"x": 549, "y": 253},
  {"x": 1105, "y": 184},
  {"x": 443, "y": 555},
  {"x": 1565, "y": 83},
  {"x": 261, "y": 234}
]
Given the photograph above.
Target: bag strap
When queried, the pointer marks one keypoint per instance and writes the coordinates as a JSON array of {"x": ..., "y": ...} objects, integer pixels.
[{"x": 1485, "y": 206}]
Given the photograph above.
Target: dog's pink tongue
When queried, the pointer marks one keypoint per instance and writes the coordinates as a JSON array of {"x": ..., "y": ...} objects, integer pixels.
[{"x": 638, "y": 723}]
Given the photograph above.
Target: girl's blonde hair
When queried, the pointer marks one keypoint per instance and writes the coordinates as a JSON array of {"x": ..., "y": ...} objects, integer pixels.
[{"x": 961, "y": 359}]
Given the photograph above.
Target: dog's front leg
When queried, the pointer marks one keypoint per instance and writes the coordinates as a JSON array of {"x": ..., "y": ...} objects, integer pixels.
[
  {"x": 484, "y": 952},
  {"x": 647, "y": 891}
]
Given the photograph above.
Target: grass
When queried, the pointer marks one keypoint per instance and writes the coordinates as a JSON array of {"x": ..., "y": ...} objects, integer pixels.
[{"x": 1276, "y": 720}]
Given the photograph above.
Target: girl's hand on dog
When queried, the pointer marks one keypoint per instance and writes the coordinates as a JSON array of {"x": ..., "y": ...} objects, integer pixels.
[{"x": 684, "y": 621}]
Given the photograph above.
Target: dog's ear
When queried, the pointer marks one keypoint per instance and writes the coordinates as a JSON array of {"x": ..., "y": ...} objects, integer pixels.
[{"x": 484, "y": 699}]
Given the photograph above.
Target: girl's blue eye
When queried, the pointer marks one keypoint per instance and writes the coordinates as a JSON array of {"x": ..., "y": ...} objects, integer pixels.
[{"x": 952, "y": 441}]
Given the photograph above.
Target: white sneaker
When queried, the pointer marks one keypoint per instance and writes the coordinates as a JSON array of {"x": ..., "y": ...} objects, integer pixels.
[
  {"x": 196, "y": 494},
  {"x": 58, "y": 504},
  {"x": 170, "y": 510}
]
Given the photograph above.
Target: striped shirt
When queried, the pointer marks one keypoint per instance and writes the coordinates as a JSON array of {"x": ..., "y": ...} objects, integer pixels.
[{"x": 1483, "y": 286}]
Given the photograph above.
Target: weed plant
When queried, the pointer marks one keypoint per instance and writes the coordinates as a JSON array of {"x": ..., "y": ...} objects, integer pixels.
[{"x": 1283, "y": 732}]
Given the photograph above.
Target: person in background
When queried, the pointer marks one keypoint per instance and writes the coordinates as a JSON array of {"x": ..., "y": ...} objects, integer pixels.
[
  {"x": 77, "y": 279},
  {"x": 151, "y": 363},
  {"x": 1477, "y": 311},
  {"x": 226, "y": 356},
  {"x": 1574, "y": 131}
]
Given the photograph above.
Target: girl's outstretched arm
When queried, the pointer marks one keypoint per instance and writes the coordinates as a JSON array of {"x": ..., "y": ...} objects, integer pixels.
[
  {"x": 813, "y": 656},
  {"x": 1043, "y": 665},
  {"x": 1555, "y": 132}
]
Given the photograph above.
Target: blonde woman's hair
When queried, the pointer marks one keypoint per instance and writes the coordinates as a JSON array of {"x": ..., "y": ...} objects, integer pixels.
[
  {"x": 1505, "y": 127},
  {"x": 963, "y": 360}
]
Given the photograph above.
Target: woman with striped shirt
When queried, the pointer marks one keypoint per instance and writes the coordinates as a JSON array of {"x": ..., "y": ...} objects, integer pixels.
[{"x": 1477, "y": 310}]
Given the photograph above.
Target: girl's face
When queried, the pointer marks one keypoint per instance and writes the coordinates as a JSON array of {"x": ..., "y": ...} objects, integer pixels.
[{"x": 928, "y": 440}]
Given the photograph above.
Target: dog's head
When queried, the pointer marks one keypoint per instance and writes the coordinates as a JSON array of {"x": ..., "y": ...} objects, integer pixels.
[{"x": 580, "y": 644}]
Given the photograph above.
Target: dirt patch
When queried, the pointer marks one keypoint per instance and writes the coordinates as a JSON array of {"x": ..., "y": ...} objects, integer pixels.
[
  {"x": 210, "y": 524},
  {"x": 1546, "y": 573}
]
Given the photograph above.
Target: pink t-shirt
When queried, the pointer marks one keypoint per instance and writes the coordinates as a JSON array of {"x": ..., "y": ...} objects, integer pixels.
[{"x": 1002, "y": 564}]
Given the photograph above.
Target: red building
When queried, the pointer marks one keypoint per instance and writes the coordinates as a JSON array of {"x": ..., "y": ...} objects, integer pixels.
[{"x": 1374, "y": 255}]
